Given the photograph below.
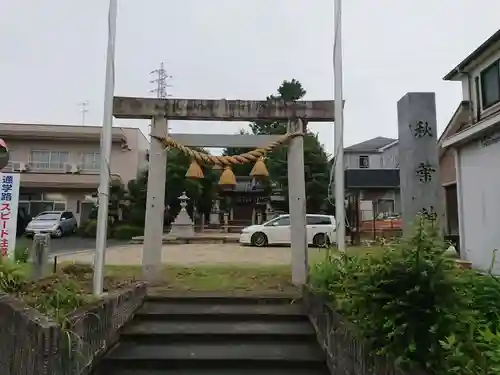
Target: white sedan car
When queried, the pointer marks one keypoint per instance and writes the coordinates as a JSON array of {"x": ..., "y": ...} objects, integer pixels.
[{"x": 321, "y": 231}]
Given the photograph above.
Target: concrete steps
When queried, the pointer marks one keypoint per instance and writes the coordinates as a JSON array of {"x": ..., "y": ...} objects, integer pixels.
[{"x": 212, "y": 335}]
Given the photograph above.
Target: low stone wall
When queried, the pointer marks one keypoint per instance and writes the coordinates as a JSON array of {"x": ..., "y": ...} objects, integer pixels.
[
  {"x": 346, "y": 353},
  {"x": 32, "y": 344}
]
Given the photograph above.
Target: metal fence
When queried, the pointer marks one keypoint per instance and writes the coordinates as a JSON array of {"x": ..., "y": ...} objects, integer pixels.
[
  {"x": 32, "y": 344},
  {"x": 368, "y": 225}
]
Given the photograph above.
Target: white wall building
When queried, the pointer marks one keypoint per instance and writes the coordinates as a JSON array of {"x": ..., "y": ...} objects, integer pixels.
[{"x": 476, "y": 149}]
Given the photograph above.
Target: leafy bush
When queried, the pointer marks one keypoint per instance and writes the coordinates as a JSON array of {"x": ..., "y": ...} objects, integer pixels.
[
  {"x": 77, "y": 269},
  {"x": 126, "y": 232},
  {"x": 21, "y": 254},
  {"x": 12, "y": 276},
  {"x": 89, "y": 229},
  {"x": 474, "y": 347},
  {"x": 58, "y": 298},
  {"x": 414, "y": 305}
]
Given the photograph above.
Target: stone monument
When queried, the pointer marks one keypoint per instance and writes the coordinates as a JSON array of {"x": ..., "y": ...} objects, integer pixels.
[
  {"x": 182, "y": 226},
  {"x": 215, "y": 213},
  {"x": 420, "y": 183}
]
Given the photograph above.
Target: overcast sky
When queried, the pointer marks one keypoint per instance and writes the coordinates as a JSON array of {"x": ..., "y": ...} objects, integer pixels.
[{"x": 52, "y": 55}]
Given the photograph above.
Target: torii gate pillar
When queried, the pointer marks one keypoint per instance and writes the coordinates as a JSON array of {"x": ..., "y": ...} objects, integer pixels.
[
  {"x": 297, "y": 204},
  {"x": 155, "y": 203}
]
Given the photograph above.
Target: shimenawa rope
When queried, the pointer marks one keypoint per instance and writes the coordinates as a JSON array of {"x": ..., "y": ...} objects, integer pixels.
[{"x": 227, "y": 160}]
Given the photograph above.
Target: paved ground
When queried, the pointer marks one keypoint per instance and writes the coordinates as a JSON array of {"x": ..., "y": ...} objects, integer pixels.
[
  {"x": 72, "y": 243},
  {"x": 195, "y": 254}
]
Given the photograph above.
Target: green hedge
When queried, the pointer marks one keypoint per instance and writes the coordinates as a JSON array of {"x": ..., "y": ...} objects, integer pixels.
[
  {"x": 120, "y": 232},
  {"x": 414, "y": 305},
  {"x": 126, "y": 232},
  {"x": 89, "y": 229}
]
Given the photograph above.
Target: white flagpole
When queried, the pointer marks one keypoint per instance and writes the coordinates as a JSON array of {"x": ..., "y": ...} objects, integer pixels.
[
  {"x": 106, "y": 136},
  {"x": 339, "y": 129}
]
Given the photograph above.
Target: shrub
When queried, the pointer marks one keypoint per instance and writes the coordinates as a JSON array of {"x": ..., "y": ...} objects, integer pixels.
[
  {"x": 58, "y": 298},
  {"x": 405, "y": 302},
  {"x": 80, "y": 231},
  {"x": 77, "y": 269},
  {"x": 126, "y": 232},
  {"x": 90, "y": 229},
  {"x": 474, "y": 347},
  {"x": 21, "y": 254},
  {"x": 12, "y": 276}
]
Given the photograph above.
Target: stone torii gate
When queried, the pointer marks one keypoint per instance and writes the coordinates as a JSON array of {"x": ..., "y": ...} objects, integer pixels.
[{"x": 298, "y": 114}]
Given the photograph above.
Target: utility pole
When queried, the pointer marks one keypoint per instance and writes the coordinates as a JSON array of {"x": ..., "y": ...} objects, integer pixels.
[
  {"x": 161, "y": 82},
  {"x": 339, "y": 129},
  {"x": 84, "y": 109},
  {"x": 106, "y": 138}
]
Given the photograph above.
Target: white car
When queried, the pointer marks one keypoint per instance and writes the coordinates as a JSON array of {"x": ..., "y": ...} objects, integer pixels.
[{"x": 321, "y": 231}]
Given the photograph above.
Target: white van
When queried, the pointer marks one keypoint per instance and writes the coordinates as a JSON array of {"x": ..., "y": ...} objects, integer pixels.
[{"x": 321, "y": 231}]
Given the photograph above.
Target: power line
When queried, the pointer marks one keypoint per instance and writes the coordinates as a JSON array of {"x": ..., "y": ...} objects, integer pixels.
[{"x": 161, "y": 82}]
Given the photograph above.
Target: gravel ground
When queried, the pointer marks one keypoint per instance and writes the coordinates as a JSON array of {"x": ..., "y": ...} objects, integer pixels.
[{"x": 196, "y": 254}]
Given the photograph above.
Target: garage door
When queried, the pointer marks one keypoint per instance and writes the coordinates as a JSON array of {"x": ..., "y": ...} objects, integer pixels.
[{"x": 480, "y": 188}]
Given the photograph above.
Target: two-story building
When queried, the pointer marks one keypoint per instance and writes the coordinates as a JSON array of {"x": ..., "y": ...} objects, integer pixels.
[
  {"x": 372, "y": 175},
  {"x": 472, "y": 142},
  {"x": 59, "y": 164}
]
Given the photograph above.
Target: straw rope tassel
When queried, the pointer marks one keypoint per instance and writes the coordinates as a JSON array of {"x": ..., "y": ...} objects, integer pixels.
[
  {"x": 194, "y": 171},
  {"x": 227, "y": 178},
  {"x": 259, "y": 169}
]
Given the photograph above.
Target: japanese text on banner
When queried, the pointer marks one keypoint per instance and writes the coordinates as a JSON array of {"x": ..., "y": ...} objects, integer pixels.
[{"x": 9, "y": 200}]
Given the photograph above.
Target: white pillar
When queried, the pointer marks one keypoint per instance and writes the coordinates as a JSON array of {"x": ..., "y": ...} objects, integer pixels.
[
  {"x": 253, "y": 215},
  {"x": 339, "y": 130},
  {"x": 297, "y": 204},
  {"x": 155, "y": 203}
]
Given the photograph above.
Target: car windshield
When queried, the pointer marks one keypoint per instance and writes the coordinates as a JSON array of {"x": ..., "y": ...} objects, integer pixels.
[{"x": 48, "y": 216}]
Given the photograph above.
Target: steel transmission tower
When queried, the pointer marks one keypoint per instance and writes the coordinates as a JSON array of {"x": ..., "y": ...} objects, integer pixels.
[
  {"x": 84, "y": 108},
  {"x": 161, "y": 82}
]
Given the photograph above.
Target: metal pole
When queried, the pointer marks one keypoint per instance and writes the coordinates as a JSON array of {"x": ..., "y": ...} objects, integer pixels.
[
  {"x": 339, "y": 129},
  {"x": 106, "y": 135}
]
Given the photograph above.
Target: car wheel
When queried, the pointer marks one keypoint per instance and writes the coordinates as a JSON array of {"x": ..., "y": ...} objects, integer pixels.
[
  {"x": 75, "y": 228},
  {"x": 321, "y": 240},
  {"x": 58, "y": 233},
  {"x": 259, "y": 239}
]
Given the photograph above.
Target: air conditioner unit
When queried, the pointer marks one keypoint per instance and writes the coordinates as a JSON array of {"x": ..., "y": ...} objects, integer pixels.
[
  {"x": 68, "y": 167},
  {"x": 16, "y": 166},
  {"x": 24, "y": 167},
  {"x": 76, "y": 168},
  {"x": 19, "y": 166}
]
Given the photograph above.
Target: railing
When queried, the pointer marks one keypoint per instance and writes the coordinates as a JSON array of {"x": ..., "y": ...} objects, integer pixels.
[
  {"x": 347, "y": 354},
  {"x": 32, "y": 344}
]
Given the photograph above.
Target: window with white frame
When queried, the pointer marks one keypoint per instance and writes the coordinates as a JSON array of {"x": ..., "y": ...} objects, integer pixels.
[
  {"x": 490, "y": 85},
  {"x": 91, "y": 161},
  {"x": 51, "y": 160}
]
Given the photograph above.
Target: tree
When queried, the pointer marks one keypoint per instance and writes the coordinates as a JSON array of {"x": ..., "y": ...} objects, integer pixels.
[
  {"x": 201, "y": 191},
  {"x": 316, "y": 165}
]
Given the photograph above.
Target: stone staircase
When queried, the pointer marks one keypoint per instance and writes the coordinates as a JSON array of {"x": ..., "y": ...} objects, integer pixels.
[{"x": 217, "y": 336}]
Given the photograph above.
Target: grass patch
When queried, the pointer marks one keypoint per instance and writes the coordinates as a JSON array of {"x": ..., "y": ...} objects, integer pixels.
[
  {"x": 71, "y": 286},
  {"x": 217, "y": 278}
]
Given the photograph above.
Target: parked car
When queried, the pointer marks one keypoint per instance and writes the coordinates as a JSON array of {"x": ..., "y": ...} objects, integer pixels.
[
  {"x": 321, "y": 231},
  {"x": 56, "y": 223}
]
